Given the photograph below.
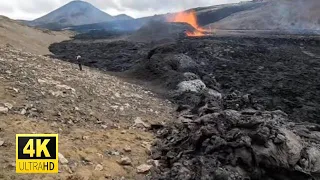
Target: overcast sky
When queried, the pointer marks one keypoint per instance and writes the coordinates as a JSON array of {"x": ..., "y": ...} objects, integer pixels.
[{"x": 31, "y": 9}]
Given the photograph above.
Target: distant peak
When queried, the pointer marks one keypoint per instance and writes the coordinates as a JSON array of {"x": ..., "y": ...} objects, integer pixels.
[
  {"x": 78, "y": 2},
  {"x": 74, "y": 13},
  {"x": 123, "y": 17}
]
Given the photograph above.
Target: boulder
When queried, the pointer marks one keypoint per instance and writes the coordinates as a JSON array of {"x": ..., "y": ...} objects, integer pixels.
[
  {"x": 182, "y": 62},
  {"x": 161, "y": 64},
  {"x": 190, "y": 76},
  {"x": 191, "y": 86},
  {"x": 62, "y": 159},
  {"x": 238, "y": 143},
  {"x": 140, "y": 124},
  {"x": 98, "y": 167},
  {"x": 3, "y": 110},
  {"x": 125, "y": 161},
  {"x": 214, "y": 93},
  {"x": 8, "y": 105},
  {"x": 144, "y": 168}
]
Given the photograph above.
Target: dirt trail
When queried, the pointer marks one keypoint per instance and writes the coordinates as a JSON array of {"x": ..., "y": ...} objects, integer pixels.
[{"x": 93, "y": 113}]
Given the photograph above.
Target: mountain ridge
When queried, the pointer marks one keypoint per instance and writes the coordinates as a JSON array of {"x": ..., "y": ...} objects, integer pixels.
[
  {"x": 75, "y": 13},
  {"x": 121, "y": 17}
]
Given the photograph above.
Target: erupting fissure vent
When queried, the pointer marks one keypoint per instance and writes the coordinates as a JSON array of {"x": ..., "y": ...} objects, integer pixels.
[{"x": 191, "y": 19}]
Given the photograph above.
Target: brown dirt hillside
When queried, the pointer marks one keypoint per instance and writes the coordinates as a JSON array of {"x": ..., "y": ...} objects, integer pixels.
[
  {"x": 95, "y": 115},
  {"x": 28, "y": 39},
  {"x": 275, "y": 15}
]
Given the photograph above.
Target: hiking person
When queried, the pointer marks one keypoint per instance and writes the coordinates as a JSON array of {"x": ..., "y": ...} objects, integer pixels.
[{"x": 79, "y": 62}]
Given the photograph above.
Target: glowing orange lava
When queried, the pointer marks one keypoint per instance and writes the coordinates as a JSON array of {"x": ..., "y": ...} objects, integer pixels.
[{"x": 190, "y": 18}]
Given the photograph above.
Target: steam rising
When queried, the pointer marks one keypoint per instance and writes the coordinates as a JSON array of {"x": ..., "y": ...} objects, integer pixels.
[{"x": 276, "y": 15}]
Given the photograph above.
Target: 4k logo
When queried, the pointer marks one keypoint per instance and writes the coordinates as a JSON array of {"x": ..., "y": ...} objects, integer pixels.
[{"x": 37, "y": 153}]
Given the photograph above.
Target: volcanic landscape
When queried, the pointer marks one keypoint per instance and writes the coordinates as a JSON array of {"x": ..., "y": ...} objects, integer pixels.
[{"x": 246, "y": 101}]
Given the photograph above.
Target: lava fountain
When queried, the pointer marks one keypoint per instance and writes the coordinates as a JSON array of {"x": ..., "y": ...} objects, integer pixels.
[{"x": 191, "y": 19}]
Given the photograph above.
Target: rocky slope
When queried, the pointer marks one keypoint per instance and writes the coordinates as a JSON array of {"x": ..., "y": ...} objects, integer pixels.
[
  {"x": 213, "y": 141},
  {"x": 275, "y": 15},
  {"x": 26, "y": 38},
  {"x": 246, "y": 104},
  {"x": 280, "y": 72},
  {"x": 224, "y": 132},
  {"x": 101, "y": 120}
]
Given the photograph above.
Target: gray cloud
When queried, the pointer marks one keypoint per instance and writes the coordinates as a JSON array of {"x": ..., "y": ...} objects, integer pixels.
[
  {"x": 5, "y": 8},
  {"x": 38, "y": 6},
  {"x": 34, "y": 8}
]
